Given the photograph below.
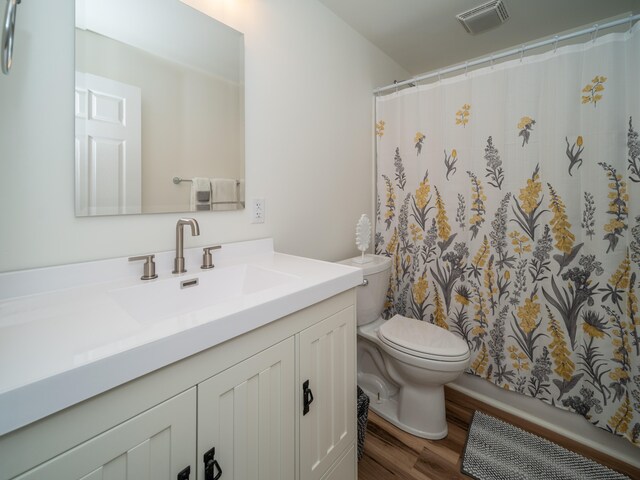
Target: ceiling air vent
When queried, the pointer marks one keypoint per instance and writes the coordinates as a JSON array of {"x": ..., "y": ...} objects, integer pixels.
[{"x": 483, "y": 17}]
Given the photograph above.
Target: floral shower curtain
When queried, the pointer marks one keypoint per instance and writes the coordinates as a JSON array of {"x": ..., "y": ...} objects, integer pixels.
[{"x": 509, "y": 201}]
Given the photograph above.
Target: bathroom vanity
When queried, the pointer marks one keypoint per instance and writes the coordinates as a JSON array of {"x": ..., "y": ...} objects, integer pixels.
[{"x": 256, "y": 382}]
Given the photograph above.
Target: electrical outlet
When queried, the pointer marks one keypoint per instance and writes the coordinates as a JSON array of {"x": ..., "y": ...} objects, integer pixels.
[{"x": 257, "y": 210}]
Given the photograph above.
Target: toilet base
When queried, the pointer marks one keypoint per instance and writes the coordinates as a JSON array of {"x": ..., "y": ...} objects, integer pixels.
[{"x": 388, "y": 409}]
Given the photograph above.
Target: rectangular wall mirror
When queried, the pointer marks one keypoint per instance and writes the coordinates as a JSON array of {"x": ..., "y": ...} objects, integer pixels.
[{"x": 159, "y": 106}]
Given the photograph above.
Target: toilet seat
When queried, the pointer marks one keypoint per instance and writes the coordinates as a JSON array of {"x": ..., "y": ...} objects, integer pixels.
[{"x": 422, "y": 339}]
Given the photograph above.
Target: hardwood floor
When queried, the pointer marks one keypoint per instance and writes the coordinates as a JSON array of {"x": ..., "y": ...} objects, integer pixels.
[{"x": 391, "y": 453}]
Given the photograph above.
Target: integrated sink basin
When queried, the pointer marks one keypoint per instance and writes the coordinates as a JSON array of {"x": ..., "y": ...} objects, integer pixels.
[
  {"x": 157, "y": 300},
  {"x": 80, "y": 330}
]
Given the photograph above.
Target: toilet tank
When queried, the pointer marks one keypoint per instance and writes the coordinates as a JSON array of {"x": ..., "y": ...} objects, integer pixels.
[{"x": 376, "y": 271}]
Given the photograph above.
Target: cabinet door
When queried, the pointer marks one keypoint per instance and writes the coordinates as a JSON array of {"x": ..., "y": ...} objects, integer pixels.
[
  {"x": 157, "y": 444},
  {"x": 327, "y": 361},
  {"x": 346, "y": 467},
  {"x": 247, "y": 414}
]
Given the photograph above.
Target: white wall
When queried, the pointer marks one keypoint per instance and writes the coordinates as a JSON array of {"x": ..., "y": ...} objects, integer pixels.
[{"x": 309, "y": 142}]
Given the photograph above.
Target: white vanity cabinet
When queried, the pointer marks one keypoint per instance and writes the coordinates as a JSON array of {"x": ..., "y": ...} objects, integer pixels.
[
  {"x": 327, "y": 369},
  {"x": 246, "y": 414},
  {"x": 156, "y": 444},
  {"x": 244, "y": 398}
]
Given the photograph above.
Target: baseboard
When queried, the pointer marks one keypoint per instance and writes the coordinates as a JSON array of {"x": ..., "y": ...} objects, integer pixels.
[{"x": 460, "y": 408}]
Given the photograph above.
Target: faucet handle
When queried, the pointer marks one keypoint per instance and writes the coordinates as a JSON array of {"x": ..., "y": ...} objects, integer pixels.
[
  {"x": 149, "y": 266},
  {"x": 207, "y": 259}
]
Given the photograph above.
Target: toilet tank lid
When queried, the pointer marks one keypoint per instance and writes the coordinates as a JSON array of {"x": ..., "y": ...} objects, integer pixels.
[{"x": 373, "y": 263}]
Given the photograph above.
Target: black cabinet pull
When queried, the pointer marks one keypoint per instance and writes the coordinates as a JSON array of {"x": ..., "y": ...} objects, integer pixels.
[
  {"x": 307, "y": 397},
  {"x": 184, "y": 474},
  {"x": 211, "y": 465}
]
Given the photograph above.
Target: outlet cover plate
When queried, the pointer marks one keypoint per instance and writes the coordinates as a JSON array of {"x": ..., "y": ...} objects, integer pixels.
[{"x": 257, "y": 210}]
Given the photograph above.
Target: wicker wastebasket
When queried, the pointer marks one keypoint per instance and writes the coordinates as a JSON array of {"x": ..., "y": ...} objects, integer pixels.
[{"x": 363, "y": 413}]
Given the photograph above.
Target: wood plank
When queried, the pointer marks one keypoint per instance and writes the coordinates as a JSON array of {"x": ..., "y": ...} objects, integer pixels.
[
  {"x": 393, "y": 435},
  {"x": 395, "y": 454},
  {"x": 390, "y": 454},
  {"x": 437, "y": 467},
  {"x": 369, "y": 468},
  {"x": 451, "y": 446}
]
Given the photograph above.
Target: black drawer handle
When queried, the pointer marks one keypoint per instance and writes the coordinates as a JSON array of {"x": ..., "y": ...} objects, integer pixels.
[
  {"x": 307, "y": 397},
  {"x": 184, "y": 474},
  {"x": 211, "y": 465}
]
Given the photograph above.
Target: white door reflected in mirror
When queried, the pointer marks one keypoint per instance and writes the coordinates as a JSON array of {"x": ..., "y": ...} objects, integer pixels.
[{"x": 108, "y": 146}]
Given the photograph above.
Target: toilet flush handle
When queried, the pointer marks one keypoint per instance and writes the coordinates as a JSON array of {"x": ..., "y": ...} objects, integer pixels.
[{"x": 364, "y": 283}]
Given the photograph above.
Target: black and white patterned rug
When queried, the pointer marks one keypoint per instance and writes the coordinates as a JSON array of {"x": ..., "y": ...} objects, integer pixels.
[{"x": 496, "y": 450}]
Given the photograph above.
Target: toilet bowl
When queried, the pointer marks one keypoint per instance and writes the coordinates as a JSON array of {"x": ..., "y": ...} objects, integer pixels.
[{"x": 403, "y": 363}]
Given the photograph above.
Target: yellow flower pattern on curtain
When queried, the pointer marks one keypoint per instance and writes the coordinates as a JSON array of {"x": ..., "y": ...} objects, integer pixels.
[
  {"x": 525, "y": 241},
  {"x": 593, "y": 91},
  {"x": 462, "y": 115}
]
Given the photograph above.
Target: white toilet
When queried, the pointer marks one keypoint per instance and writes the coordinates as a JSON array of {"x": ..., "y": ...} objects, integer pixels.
[{"x": 403, "y": 363}]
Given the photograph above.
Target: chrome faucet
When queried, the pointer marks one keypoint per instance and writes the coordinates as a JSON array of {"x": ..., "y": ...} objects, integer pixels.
[{"x": 178, "y": 263}]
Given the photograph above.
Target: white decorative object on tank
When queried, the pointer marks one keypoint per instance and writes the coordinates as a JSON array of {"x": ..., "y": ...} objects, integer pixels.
[{"x": 363, "y": 237}]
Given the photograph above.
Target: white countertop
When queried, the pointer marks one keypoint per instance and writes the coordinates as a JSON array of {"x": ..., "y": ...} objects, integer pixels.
[{"x": 64, "y": 338}]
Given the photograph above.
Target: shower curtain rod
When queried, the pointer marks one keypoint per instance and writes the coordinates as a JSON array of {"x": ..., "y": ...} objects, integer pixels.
[{"x": 491, "y": 58}]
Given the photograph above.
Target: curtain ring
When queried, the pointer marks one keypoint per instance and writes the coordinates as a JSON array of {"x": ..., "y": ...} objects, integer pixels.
[
  {"x": 595, "y": 33},
  {"x": 466, "y": 68},
  {"x": 439, "y": 76},
  {"x": 521, "y": 52},
  {"x": 630, "y": 22},
  {"x": 555, "y": 43},
  {"x": 492, "y": 61}
]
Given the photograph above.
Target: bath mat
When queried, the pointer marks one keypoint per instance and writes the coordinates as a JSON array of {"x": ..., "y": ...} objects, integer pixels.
[{"x": 496, "y": 450}]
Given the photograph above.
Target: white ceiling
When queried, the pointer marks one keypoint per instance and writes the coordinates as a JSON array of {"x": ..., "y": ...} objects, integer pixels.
[{"x": 424, "y": 35}]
